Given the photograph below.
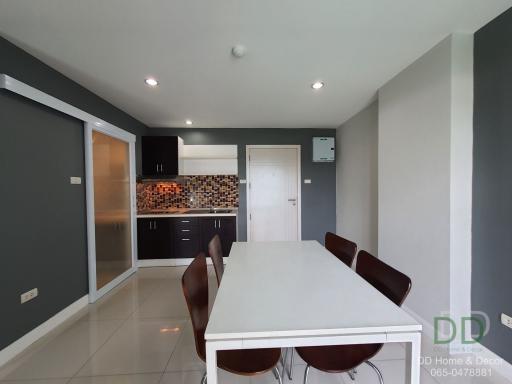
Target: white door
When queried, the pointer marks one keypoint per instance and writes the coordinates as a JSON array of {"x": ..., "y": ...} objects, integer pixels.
[{"x": 273, "y": 200}]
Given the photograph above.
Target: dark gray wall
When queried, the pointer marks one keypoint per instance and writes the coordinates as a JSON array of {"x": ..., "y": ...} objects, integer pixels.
[
  {"x": 42, "y": 223},
  {"x": 42, "y": 226},
  {"x": 318, "y": 198},
  {"x": 26, "y": 68},
  {"x": 492, "y": 180}
]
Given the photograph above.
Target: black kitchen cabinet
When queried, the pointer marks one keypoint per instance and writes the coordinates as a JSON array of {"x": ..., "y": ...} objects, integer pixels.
[
  {"x": 155, "y": 238},
  {"x": 224, "y": 226},
  {"x": 187, "y": 242},
  {"x": 161, "y": 156}
]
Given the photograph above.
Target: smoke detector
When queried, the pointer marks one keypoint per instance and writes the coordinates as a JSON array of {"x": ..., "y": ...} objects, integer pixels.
[{"x": 239, "y": 51}]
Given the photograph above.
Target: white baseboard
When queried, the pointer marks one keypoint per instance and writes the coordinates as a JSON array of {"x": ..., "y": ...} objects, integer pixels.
[
  {"x": 14, "y": 349},
  {"x": 171, "y": 262}
]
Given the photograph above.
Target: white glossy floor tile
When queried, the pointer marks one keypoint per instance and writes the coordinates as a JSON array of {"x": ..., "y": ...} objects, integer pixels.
[
  {"x": 393, "y": 372},
  {"x": 183, "y": 377},
  {"x": 139, "y": 346},
  {"x": 65, "y": 354},
  {"x": 148, "y": 378},
  {"x": 314, "y": 377},
  {"x": 166, "y": 302},
  {"x": 184, "y": 357},
  {"x": 37, "y": 381},
  {"x": 194, "y": 377},
  {"x": 124, "y": 301},
  {"x": 141, "y": 333}
]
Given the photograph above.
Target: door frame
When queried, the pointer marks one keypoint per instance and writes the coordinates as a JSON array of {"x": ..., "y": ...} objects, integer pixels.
[
  {"x": 117, "y": 133},
  {"x": 299, "y": 184}
]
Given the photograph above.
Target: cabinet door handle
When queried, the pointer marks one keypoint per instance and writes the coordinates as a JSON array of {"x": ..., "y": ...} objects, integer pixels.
[
  {"x": 154, "y": 225},
  {"x": 219, "y": 223},
  {"x": 150, "y": 225},
  {"x": 185, "y": 230},
  {"x": 161, "y": 168},
  {"x": 185, "y": 239},
  {"x": 215, "y": 223},
  {"x": 185, "y": 221}
]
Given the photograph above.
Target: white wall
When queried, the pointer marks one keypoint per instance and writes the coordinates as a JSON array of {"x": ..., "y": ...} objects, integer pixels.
[
  {"x": 424, "y": 145},
  {"x": 356, "y": 169}
]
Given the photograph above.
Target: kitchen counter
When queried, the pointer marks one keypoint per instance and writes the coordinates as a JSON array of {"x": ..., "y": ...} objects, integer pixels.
[{"x": 187, "y": 212}]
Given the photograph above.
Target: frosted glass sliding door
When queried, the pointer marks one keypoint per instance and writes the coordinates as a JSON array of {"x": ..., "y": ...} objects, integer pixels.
[
  {"x": 111, "y": 170},
  {"x": 110, "y": 217}
]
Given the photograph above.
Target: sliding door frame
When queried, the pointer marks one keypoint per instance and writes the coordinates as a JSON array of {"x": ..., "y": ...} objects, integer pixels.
[
  {"x": 117, "y": 133},
  {"x": 91, "y": 123}
]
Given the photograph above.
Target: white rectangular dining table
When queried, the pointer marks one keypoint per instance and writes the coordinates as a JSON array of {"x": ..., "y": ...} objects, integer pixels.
[{"x": 288, "y": 294}]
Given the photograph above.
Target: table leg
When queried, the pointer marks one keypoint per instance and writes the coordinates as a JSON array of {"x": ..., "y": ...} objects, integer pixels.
[
  {"x": 211, "y": 363},
  {"x": 412, "y": 362}
]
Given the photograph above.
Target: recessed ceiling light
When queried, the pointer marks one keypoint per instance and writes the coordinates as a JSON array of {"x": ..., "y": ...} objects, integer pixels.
[
  {"x": 317, "y": 85},
  {"x": 151, "y": 82},
  {"x": 188, "y": 122}
]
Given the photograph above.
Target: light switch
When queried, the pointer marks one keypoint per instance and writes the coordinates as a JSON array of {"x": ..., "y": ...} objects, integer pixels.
[
  {"x": 307, "y": 181},
  {"x": 506, "y": 320},
  {"x": 75, "y": 180},
  {"x": 243, "y": 181}
]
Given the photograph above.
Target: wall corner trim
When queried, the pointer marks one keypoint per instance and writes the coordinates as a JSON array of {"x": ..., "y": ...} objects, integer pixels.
[{"x": 14, "y": 349}]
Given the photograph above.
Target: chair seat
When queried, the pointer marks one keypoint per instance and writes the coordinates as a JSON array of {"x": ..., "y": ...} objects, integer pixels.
[
  {"x": 248, "y": 361},
  {"x": 338, "y": 358}
]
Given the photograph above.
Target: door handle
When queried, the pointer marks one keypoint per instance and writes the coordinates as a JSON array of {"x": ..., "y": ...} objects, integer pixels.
[{"x": 292, "y": 199}]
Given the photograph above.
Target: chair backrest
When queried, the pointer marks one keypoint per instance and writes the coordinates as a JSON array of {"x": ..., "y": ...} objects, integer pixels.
[
  {"x": 391, "y": 283},
  {"x": 215, "y": 252},
  {"x": 343, "y": 249},
  {"x": 195, "y": 288}
]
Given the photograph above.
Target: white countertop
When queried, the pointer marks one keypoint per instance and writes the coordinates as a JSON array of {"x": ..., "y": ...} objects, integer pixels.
[
  {"x": 182, "y": 212},
  {"x": 285, "y": 289}
]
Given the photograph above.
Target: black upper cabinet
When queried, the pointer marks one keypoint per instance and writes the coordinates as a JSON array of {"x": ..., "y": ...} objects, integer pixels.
[{"x": 161, "y": 156}]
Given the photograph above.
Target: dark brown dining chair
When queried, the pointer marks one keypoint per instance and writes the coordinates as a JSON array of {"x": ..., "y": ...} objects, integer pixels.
[
  {"x": 343, "y": 249},
  {"x": 246, "y": 362},
  {"x": 215, "y": 252},
  {"x": 346, "y": 358}
]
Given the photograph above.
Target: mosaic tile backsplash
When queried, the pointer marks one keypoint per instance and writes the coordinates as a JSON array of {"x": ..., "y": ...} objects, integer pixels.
[{"x": 194, "y": 192}]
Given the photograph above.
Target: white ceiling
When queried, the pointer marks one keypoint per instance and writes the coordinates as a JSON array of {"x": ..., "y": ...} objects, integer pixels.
[{"x": 354, "y": 46}]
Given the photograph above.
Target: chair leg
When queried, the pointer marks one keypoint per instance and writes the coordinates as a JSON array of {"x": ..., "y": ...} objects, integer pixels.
[
  {"x": 377, "y": 371},
  {"x": 291, "y": 364},
  {"x": 203, "y": 380},
  {"x": 284, "y": 362},
  {"x": 306, "y": 373},
  {"x": 277, "y": 374}
]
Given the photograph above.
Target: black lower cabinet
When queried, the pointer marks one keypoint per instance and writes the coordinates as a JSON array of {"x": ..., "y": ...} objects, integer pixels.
[
  {"x": 186, "y": 237},
  {"x": 155, "y": 238},
  {"x": 183, "y": 237},
  {"x": 224, "y": 226}
]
